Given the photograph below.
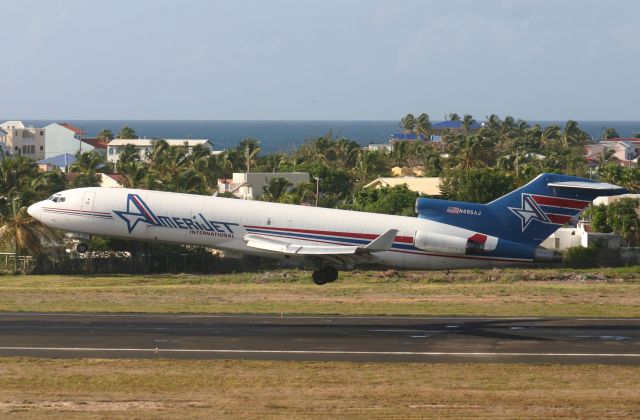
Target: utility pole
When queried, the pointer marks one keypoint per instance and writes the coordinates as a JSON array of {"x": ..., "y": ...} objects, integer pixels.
[{"x": 317, "y": 188}]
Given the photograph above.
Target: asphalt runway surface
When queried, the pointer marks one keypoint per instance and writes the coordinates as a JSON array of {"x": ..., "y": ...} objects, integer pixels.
[{"x": 365, "y": 338}]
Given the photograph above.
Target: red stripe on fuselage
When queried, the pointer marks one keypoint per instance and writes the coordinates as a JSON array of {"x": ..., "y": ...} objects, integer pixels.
[
  {"x": 560, "y": 202},
  {"x": 404, "y": 239},
  {"x": 416, "y": 252}
]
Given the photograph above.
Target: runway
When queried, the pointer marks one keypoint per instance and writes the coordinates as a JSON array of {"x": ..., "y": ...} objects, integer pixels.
[{"x": 322, "y": 338}]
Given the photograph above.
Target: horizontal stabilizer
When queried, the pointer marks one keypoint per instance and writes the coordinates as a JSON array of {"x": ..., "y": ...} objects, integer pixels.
[
  {"x": 382, "y": 242},
  {"x": 600, "y": 186}
]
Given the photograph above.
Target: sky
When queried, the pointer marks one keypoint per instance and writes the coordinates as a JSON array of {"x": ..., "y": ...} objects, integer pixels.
[{"x": 319, "y": 60}]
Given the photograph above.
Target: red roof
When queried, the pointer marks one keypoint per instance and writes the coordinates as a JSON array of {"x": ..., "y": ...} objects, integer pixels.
[
  {"x": 96, "y": 143},
  {"x": 72, "y": 128}
]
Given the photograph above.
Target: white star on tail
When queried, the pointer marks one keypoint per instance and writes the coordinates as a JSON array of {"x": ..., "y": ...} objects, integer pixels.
[{"x": 529, "y": 211}]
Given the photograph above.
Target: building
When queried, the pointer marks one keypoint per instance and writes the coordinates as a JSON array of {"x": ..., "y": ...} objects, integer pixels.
[
  {"x": 623, "y": 150},
  {"x": 422, "y": 185},
  {"x": 64, "y": 138},
  {"x": 248, "y": 186},
  {"x": 145, "y": 146},
  {"x": 570, "y": 237},
  {"x": 20, "y": 140},
  {"x": 380, "y": 147}
]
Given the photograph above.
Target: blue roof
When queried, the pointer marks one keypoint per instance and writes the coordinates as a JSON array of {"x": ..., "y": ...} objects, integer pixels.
[
  {"x": 60, "y": 161},
  {"x": 455, "y": 124},
  {"x": 405, "y": 136}
]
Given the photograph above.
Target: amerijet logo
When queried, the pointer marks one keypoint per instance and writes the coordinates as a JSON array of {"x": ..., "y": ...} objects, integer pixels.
[
  {"x": 529, "y": 211},
  {"x": 137, "y": 211}
]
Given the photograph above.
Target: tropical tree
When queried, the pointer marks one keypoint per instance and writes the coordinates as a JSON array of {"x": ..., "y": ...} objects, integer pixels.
[
  {"x": 453, "y": 117},
  {"x": 16, "y": 175},
  {"x": 105, "y": 135},
  {"x": 620, "y": 217},
  {"x": 408, "y": 123},
  {"x": 275, "y": 189},
  {"x": 478, "y": 185},
  {"x": 467, "y": 122},
  {"x": 22, "y": 233},
  {"x": 127, "y": 132},
  {"x": 610, "y": 133},
  {"x": 86, "y": 166},
  {"x": 398, "y": 200},
  {"x": 423, "y": 126},
  {"x": 249, "y": 149}
]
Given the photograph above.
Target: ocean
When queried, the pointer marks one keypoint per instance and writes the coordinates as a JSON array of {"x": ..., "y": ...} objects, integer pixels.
[{"x": 283, "y": 136}]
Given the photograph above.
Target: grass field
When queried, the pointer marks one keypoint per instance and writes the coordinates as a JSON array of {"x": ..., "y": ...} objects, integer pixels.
[
  {"x": 46, "y": 388},
  {"x": 50, "y": 388},
  {"x": 508, "y": 292}
]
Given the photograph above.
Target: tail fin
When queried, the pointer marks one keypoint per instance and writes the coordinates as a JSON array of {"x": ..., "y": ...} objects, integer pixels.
[{"x": 527, "y": 215}]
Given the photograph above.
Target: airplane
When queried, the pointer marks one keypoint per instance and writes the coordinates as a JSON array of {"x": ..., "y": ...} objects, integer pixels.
[{"x": 445, "y": 235}]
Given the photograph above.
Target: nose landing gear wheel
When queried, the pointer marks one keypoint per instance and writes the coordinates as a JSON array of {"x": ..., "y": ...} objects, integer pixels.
[
  {"x": 324, "y": 275},
  {"x": 82, "y": 248}
]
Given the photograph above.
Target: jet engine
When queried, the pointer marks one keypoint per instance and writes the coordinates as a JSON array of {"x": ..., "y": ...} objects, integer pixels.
[{"x": 456, "y": 245}]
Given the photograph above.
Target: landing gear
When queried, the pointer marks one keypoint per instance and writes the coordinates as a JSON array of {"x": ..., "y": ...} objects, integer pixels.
[
  {"x": 324, "y": 275},
  {"x": 82, "y": 248}
]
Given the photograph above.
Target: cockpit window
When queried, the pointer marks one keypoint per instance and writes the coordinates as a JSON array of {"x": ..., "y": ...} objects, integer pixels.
[{"x": 61, "y": 199}]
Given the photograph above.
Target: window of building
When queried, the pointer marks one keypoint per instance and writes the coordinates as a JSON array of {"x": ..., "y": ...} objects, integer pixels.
[
  {"x": 42, "y": 132},
  {"x": 41, "y": 148}
]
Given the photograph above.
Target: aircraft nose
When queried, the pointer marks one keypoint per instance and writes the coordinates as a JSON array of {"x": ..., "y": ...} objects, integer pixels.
[{"x": 34, "y": 211}]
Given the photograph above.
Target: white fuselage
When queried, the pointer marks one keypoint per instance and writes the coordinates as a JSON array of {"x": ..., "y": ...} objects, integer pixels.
[{"x": 222, "y": 223}]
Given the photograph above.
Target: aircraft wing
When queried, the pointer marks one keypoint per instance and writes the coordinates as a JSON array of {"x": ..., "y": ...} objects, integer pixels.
[{"x": 344, "y": 255}]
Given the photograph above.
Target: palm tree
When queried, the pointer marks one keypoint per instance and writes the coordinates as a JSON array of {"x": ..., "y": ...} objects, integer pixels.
[
  {"x": 408, "y": 123},
  {"x": 128, "y": 154},
  {"x": 467, "y": 122},
  {"x": 127, "y": 132},
  {"x": 22, "y": 232},
  {"x": 549, "y": 135},
  {"x": 610, "y": 133},
  {"x": 86, "y": 166},
  {"x": 105, "y": 135},
  {"x": 423, "y": 126},
  {"x": 275, "y": 189},
  {"x": 135, "y": 174},
  {"x": 250, "y": 156},
  {"x": 453, "y": 117}
]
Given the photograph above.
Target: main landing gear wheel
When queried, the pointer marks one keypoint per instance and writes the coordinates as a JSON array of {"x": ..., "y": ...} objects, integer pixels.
[
  {"x": 324, "y": 275},
  {"x": 82, "y": 248}
]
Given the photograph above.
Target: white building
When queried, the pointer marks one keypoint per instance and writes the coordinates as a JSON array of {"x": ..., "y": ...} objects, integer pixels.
[
  {"x": 145, "y": 146},
  {"x": 64, "y": 138},
  {"x": 581, "y": 235},
  {"x": 248, "y": 186},
  {"x": 20, "y": 140}
]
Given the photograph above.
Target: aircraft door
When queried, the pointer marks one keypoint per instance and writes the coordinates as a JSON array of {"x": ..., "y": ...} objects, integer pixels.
[{"x": 87, "y": 201}]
